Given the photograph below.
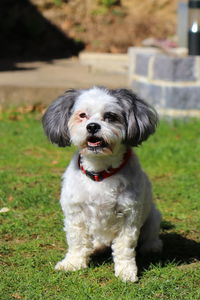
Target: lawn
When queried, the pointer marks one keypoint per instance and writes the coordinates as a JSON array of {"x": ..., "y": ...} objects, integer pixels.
[{"x": 31, "y": 235}]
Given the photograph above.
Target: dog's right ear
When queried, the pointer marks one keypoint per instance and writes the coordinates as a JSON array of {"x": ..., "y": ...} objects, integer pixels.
[{"x": 56, "y": 117}]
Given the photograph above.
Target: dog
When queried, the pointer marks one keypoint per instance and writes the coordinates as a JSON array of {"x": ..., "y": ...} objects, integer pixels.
[{"x": 106, "y": 197}]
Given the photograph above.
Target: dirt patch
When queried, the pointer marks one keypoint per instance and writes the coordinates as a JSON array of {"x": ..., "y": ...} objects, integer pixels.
[{"x": 111, "y": 26}]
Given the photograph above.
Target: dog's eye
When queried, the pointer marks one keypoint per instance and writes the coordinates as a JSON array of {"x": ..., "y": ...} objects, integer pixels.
[
  {"x": 110, "y": 117},
  {"x": 82, "y": 115}
]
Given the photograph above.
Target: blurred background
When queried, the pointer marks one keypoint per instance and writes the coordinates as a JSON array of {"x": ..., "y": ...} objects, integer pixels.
[
  {"x": 47, "y": 29},
  {"x": 53, "y": 45}
]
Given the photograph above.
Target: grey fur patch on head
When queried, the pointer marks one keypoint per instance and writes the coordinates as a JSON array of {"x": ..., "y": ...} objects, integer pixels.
[
  {"x": 55, "y": 119},
  {"x": 141, "y": 119}
]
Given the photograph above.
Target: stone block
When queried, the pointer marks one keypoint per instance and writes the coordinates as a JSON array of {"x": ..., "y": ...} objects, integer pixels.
[
  {"x": 137, "y": 53},
  {"x": 182, "y": 97},
  {"x": 142, "y": 63},
  {"x": 174, "y": 68},
  {"x": 169, "y": 83},
  {"x": 151, "y": 93}
]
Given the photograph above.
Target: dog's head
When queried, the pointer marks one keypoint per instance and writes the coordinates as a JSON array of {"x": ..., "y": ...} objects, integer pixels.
[{"x": 98, "y": 120}]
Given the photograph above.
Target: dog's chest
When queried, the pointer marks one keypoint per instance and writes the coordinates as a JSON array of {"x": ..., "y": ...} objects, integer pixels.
[{"x": 102, "y": 206}]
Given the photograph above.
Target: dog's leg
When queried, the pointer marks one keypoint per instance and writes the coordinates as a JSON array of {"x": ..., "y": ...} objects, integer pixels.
[
  {"x": 124, "y": 254},
  {"x": 149, "y": 234},
  {"x": 79, "y": 251}
]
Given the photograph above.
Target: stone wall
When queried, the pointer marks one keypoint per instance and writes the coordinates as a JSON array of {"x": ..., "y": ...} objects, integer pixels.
[{"x": 170, "y": 83}]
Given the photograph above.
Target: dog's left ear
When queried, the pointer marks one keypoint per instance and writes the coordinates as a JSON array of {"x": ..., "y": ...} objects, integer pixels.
[
  {"x": 55, "y": 119},
  {"x": 141, "y": 118}
]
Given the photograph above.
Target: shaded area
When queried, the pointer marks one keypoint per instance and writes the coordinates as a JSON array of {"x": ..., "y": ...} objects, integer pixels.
[
  {"x": 25, "y": 35},
  {"x": 179, "y": 249},
  {"x": 176, "y": 249}
]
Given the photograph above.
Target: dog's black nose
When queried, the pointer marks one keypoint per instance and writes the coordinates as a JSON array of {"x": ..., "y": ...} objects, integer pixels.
[{"x": 93, "y": 127}]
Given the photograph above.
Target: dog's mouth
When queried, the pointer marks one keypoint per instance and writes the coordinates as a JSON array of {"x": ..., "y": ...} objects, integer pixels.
[{"x": 95, "y": 143}]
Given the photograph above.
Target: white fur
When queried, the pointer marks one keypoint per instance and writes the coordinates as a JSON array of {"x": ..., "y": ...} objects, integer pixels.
[{"x": 117, "y": 211}]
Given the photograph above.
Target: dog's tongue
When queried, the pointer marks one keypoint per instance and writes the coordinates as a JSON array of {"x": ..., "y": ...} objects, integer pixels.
[{"x": 94, "y": 144}]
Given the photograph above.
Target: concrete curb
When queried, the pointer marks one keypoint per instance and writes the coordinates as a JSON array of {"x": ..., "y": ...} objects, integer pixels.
[
  {"x": 178, "y": 113},
  {"x": 112, "y": 63},
  {"x": 14, "y": 96}
]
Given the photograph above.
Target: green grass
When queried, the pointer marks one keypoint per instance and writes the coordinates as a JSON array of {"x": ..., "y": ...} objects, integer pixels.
[{"x": 31, "y": 235}]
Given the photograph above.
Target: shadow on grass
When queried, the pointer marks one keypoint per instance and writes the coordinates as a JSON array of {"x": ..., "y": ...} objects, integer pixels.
[{"x": 176, "y": 249}]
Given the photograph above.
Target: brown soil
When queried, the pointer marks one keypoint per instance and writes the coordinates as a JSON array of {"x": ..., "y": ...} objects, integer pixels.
[{"x": 111, "y": 29}]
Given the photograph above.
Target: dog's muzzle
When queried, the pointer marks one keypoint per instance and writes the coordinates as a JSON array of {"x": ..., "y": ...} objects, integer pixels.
[{"x": 94, "y": 143}]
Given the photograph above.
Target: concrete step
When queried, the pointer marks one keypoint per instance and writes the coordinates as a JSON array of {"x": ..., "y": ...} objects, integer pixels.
[{"x": 33, "y": 82}]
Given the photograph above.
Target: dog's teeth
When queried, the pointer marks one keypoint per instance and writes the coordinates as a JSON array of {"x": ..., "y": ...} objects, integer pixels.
[{"x": 94, "y": 144}]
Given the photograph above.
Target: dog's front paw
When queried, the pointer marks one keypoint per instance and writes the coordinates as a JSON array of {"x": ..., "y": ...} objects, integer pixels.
[
  {"x": 127, "y": 272},
  {"x": 71, "y": 264}
]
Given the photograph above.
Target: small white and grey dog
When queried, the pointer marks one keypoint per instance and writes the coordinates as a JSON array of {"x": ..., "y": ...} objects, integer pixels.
[{"x": 106, "y": 197}]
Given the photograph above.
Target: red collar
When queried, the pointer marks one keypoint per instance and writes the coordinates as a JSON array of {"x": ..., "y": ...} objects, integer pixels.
[{"x": 99, "y": 176}]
